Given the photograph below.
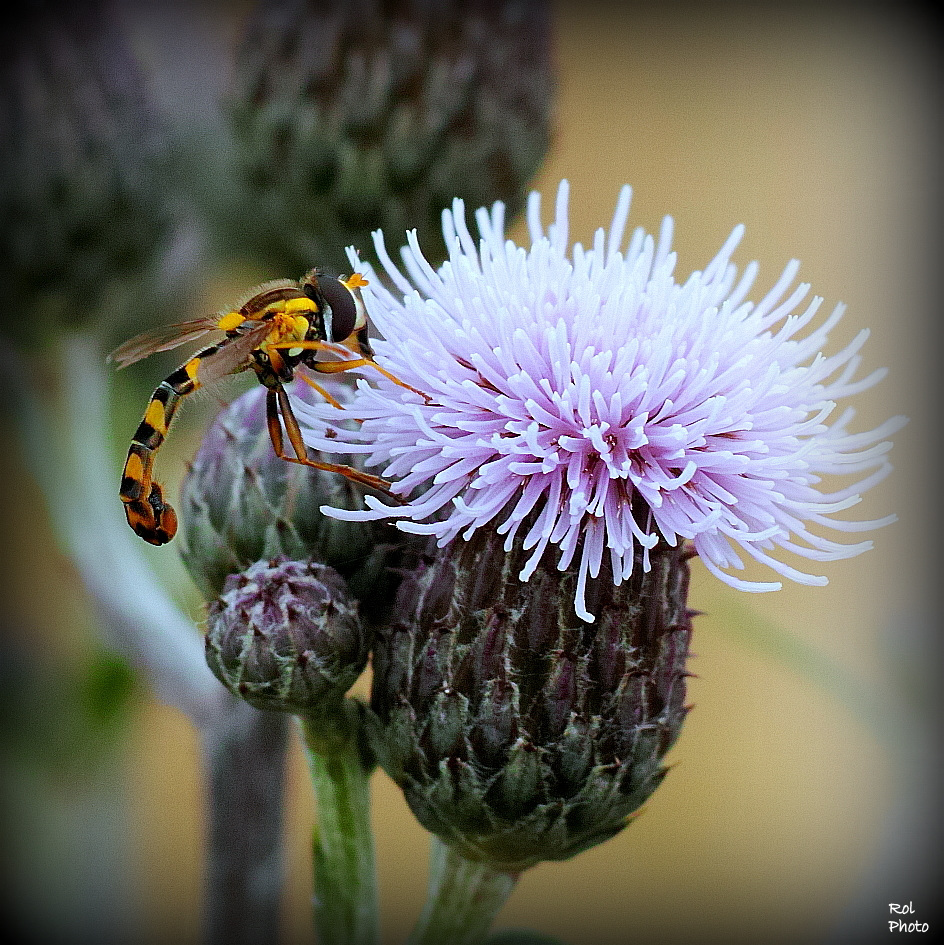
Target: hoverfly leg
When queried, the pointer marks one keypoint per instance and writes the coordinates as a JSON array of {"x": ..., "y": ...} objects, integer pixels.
[
  {"x": 331, "y": 400},
  {"x": 277, "y": 402},
  {"x": 338, "y": 367},
  {"x": 274, "y": 424}
]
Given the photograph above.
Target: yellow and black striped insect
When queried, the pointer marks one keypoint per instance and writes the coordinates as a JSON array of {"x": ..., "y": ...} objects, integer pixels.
[{"x": 284, "y": 325}]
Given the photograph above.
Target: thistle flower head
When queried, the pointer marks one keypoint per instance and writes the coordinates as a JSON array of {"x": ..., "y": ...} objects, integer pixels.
[{"x": 585, "y": 403}]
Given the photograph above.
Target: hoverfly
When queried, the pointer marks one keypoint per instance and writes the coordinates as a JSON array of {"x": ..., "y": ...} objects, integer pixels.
[{"x": 284, "y": 325}]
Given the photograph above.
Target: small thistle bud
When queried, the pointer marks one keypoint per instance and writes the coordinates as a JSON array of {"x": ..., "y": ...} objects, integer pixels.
[
  {"x": 241, "y": 503},
  {"x": 352, "y": 116},
  {"x": 82, "y": 209},
  {"x": 286, "y": 636},
  {"x": 517, "y": 731}
]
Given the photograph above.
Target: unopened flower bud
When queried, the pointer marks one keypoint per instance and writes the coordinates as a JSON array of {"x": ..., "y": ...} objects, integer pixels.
[
  {"x": 286, "y": 636},
  {"x": 352, "y": 116},
  {"x": 518, "y": 731}
]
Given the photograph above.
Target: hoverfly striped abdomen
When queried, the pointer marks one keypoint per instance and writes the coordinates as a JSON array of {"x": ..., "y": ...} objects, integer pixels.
[{"x": 148, "y": 514}]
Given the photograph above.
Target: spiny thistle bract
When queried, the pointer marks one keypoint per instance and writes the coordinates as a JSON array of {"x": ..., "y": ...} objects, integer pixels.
[{"x": 286, "y": 636}]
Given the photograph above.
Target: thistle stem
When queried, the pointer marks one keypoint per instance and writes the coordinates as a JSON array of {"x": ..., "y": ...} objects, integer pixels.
[
  {"x": 345, "y": 874},
  {"x": 464, "y": 899},
  {"x": 245, "y": 762}
]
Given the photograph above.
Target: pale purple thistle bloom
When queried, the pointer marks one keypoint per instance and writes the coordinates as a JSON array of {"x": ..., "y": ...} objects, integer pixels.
[{"x": 583, "y": 385}]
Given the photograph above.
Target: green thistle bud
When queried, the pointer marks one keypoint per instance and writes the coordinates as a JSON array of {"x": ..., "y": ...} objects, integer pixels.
[
  {"x": 352, "y": 116},
  {"x": 241, "y": 503},
  {"x": 82, "y": 209},
  {"x": 286, "y": 636},
  {"x": 517, "y": 731}
]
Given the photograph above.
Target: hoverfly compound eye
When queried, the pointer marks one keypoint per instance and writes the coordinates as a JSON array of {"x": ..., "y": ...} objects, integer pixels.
[{"x": 346, "y": 309}]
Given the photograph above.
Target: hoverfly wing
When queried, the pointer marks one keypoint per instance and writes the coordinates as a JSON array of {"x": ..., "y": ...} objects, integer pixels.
[
  {"x": 233, "y": 354},
  {"x": 165, "y": 338}
]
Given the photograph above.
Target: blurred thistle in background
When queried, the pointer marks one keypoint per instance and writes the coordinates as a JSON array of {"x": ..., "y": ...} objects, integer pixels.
[
  {"x": 353, "y": 115},
  {"x": 84, "y": 222},
  {"x": 84, "y": 208}
]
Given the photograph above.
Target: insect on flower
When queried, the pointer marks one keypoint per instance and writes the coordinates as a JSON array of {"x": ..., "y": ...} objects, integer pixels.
[{"x": 282, "y": 326}]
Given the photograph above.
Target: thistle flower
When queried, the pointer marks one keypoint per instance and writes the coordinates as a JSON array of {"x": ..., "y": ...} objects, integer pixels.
[{"x": 582, "y": 398}]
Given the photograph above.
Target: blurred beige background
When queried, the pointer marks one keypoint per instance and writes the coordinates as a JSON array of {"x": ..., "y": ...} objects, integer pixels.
[{"x": 794, "y": 810}]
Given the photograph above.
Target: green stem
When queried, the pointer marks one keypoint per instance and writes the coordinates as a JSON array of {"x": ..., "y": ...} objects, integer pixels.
[
  {"x": 464, "y": 899},
  {"x": 345, "y": 874}
]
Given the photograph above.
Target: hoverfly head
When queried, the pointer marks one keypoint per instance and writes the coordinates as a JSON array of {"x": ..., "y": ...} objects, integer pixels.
[{"x": 340, "y": 309}]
